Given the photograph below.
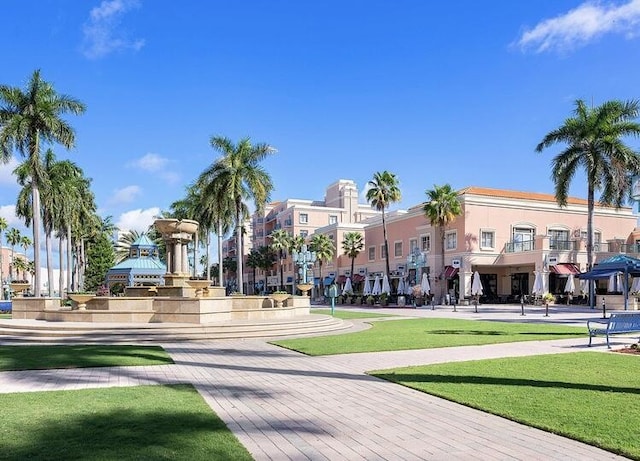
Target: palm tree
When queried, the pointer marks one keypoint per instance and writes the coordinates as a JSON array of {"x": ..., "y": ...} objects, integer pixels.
[
  {"x": 352, "y": 245},
  {"x": 267, "y": 259},
  {"x": 239, "y": 176},
  {"x": 594, "y": 142},
  {"x": 325, "y": 249},
  {"x": 13, "y": 238},
  {"x": 123, "y": 245},
  {"x": 280, "y": 242},
  {"x": 254, "y": 261},
  {"x": 441, "y": 209},
  {"x": 3, "y": 227},
  {"x": 383, "y": 191},
  {"x": 21, "y": 264},
  {"x": 27, "y": 119}
]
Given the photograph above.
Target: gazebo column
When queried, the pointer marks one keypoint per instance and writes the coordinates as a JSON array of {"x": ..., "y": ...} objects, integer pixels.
[{"x": 169, "y": 250}]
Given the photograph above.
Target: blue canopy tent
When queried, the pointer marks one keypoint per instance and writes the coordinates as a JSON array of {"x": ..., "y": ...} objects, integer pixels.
[{"x": 624, "y": 264}]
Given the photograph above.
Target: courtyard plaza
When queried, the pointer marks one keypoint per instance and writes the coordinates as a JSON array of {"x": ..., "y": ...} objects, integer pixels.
[{"x": 283, "y": 405}]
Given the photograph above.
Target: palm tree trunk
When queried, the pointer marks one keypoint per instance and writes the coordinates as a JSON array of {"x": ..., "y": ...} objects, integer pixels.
[
  {"x": 386, "y": 246},
  {"x": 61, "y": 273},
  {"x": 443, "y": 285},
  {"x": 69, "y": 260},
  {"x": 590, "y": 210},
  {"x": 47, "y": 244},
  {"x": 239, "y": 250},
  {"x": 208, "y": 255},
  {"x": 35, "y": 194},
  {"x": 220, "y": 268},
  {"x": 281, "y": 271}
]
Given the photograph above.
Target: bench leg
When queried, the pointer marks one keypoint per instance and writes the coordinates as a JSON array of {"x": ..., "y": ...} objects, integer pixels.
[
  {"x": 590, "y": 338},
  {"x": 608, "y": 345}
]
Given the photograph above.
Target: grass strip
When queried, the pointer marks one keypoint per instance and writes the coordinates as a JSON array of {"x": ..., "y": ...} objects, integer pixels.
[
  {"x": 80, "y": 356},
  {"x": 5, "y": 316},
  {"x": 345, "y": 315},
  {"x": 588, "y": 396},
  {"x": 393, "y": 335},
  {"x": 123, "y": 423}
]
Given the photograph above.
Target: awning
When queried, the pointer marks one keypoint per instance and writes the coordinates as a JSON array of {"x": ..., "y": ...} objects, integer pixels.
[
  {"x": 289, "y": 279},
  {"x": 450, "y": 272},
  {"x": 328, "y": 281},
  {"x": 357, "y": 278},
  {"x": 341, "y": 279},
  {"x": 597, "y": 274},
  {"x": 565, "y": 269}
]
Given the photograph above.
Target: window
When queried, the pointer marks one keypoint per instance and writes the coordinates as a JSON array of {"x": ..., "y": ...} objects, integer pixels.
[
  {"x": 304, "y": 218},
  {"x": 372, "y": 253},
  {"x": 597, "y": 239},
  {"x": 413, "y": 244},
  {"x": 383, "y": 253},
  {"x": 487, "y": 239},
  {"x": 559, "y": 239},
  {"x": 523, "y": 239},
  {"x": 397, "y": 249},
  {"x": 304, "y": 233},
  {"x": 425, "y": 243},
  {"x": 451, "y": 242},
  {"x": 333, "y": 219}
]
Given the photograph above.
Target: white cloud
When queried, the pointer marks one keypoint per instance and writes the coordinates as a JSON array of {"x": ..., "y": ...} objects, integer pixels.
[
  {"x": 581, "y": 25},
  {"x": 139, "y": 219},
  {"x": 8, "y": 212},
  {"x": 102, "y": 34},
  {"x": 150, "y": 162},
  {"x": 6, "y": 173},
  {"x": 125, "y": 195}
]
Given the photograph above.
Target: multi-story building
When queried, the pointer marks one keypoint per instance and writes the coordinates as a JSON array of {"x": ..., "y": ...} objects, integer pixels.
[
  {"x": 299, "y": 217},
  {"x": 503, "y": 235}
]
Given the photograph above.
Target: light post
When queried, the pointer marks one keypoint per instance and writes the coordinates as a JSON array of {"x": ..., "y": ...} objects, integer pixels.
[{"x": 305, "y": 259}]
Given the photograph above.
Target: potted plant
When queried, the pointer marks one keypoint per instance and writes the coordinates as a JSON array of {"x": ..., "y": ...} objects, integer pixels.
[
  {"x": 384, "y": 299},
  {"x": 548, "y": 298},
  {"x": 371, "y": 300},
  {"x": 279, "y": 297}
]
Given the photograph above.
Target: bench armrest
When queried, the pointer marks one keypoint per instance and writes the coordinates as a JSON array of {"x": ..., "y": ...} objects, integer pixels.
[{"x": 600, "y": 321}]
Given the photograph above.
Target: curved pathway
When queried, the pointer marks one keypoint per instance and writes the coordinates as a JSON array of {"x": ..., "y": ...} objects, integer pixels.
[{"x": 286, "y": 406}]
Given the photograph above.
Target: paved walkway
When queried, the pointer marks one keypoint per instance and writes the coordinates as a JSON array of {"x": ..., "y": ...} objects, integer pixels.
[{"x": 286, "y": 406}]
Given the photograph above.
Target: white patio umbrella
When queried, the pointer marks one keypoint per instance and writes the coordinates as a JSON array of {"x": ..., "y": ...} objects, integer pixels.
[
  {"x": 476, "y": 285},
  {"x": 570, "y": 286},
  {"x": 635, "y": 285},
  {"x": 424, "y": 284},
  {"x": 584, "y": 285},
  {"x": 347, "y": 286},
  {"x": 366, "y": 290},
  {"x": 376, "y": 286},
  {"x": 386, "y": 288},
  {"x": 538, "y": 284}
]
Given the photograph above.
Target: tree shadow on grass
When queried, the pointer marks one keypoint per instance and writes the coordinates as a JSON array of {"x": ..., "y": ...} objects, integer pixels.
[
  {"x": 407, "y": 378},
  {"x": 504, "y": 333}
]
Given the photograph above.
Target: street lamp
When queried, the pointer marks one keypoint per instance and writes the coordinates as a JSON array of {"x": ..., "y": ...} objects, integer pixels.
[{"x": 305, "y": 259}]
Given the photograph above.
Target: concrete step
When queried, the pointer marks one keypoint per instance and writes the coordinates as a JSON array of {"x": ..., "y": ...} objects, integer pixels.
[{"x": 45, "y": 331}]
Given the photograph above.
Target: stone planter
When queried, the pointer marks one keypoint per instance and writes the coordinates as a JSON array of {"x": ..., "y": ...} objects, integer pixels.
[
  {"x": 19, "y": 287},
  {"x": 201, "y": 287},
  {"x": 279, "y": 298},
  {"x": 81, "y": 299},
  {"x": 304, "y": 288}
]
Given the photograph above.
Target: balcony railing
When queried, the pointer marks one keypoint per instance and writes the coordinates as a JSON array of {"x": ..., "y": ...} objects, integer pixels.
[
  {"x": 519, "y": 247},
  {"x": 630, "y": 248},
  {"x": 563, "y": 245}
]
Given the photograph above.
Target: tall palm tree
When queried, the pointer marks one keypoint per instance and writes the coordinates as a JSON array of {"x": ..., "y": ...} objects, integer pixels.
[
  {"x": 21, "y": 264},
  {"x": 254, "y": 260},
  {"x": 239, "y": 175},
  {"x": 280, "y": 242},
  {"x": 383, "y": 191},
  {"x": 27, "y": 119},
  {"x": 13, "y": 238},
  {"x": 325, "y": 249},
  {"x": 441, "y": 209},
  {"x": 352, "y": 245},
  {"x": 594, "y": 142},
  {"x": 266, "y": 259},
  {"x": 3, "y": 227}
]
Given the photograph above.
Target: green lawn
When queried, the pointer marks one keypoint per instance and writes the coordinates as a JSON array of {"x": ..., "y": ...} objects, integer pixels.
[
  {"x": 5, "y": 316},
  {"x": 342, "y": 314},
  {"x": 123, "y": 423},
  {"x": 79, "y": 356},
  {"x": 392, "y": 335},
  {"x": 589, "y": 396}
]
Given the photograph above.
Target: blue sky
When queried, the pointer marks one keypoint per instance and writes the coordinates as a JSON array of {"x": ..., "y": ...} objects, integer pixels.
[{"x": 455, "y": 92}]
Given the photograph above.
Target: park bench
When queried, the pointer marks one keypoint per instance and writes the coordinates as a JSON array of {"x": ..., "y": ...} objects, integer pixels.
[{"x": 617, "y": 323}]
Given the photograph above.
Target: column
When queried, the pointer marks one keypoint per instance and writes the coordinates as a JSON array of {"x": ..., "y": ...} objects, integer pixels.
[
  {"x": 185, "y": 259},
  {"x": 177, "y": 257}
]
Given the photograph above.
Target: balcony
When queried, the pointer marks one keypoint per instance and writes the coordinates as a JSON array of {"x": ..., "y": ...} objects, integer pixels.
[
  {"x": 563, "y": 245},
  {"x": 288, "y": 223},
  {"x": 519, "y": 247}
]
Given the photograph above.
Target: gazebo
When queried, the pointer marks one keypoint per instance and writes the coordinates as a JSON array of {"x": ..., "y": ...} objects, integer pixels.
[
  {"x": 142, "y": 267},
  {"x": 618, "y": 264}
]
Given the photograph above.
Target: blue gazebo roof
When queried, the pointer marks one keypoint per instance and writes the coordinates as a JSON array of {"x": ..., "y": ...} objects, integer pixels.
[{"x": 142, "y": 265}]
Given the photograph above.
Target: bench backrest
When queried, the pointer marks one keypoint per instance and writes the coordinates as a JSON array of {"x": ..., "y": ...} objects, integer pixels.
[{"x": 626, "y": 321}]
